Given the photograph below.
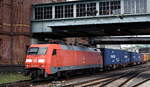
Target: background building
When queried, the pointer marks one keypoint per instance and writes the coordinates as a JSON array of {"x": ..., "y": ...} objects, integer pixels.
[{"x": 15, "y": 18}]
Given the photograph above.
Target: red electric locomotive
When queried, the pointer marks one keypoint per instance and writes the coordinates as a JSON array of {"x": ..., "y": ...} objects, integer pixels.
[{"x": 54, "y": 59}]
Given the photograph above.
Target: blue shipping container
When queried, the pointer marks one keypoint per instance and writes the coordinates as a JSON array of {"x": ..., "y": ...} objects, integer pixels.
[
  {"x": 112, "y": 56},
  {"x": 125, "y": 57},
  {"x": 135, "y": 57}
]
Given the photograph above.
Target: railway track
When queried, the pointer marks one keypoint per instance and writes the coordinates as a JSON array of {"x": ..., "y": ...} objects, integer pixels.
[
  {"x": 105, "y": 82},
  {"x": 140, "y": 83},
  {"x": 117, "y": 78},
  {"x": 23, "y": 83},
  {"x": 26, "y": 83},
  {"x": 119, "y": 82},
  {"x": 97, "y": 82},
  {"x": 138, "y": 80},
  {"x": 113, "y": 81}
]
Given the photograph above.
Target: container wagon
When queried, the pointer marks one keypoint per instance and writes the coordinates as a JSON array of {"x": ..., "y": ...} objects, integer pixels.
[
  {"x": 148, "y": 58},
  {"x": 125, "y": 58},
  {"x": 111, "y": 58},
  {"x": 135, "y": 58},
  {"x": 145, "y": 57}
]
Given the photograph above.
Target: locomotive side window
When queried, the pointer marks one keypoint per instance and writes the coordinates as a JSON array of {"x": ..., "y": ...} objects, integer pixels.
[
  {"x": 37, "y": 51},
  {"x": 54, "y": 52}
]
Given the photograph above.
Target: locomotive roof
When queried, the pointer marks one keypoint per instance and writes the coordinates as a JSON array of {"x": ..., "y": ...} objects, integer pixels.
[{"x": 68, "y": 47}]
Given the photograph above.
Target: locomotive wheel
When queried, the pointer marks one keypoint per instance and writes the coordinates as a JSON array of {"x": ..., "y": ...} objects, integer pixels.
[
  {"x": 36, "y": 75},
  {"x": 58, "y": 74},
  {"x": 66, "y": 74},
  {"x": 33, "y": 75}
]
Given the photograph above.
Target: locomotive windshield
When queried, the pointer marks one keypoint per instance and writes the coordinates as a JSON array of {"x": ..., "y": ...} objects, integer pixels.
[{"x": 37, "y": 51}]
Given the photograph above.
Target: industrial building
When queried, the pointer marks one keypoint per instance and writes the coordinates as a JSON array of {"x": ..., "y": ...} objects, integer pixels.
[{"x": 15, "y": 30}]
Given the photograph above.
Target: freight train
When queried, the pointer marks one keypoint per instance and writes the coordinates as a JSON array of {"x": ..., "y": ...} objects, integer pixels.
[{"x": 55, "y": 60}]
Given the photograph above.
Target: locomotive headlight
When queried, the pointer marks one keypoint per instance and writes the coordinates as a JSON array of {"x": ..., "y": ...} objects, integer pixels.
[
  {"x": 41, "y": 60},
  {"x": 28, "y": 60}
]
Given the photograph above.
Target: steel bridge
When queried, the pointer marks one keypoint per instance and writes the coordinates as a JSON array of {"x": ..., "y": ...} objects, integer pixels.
[
  {"x": 91, "y": 18},
  {"x": 121, "y": 40}
]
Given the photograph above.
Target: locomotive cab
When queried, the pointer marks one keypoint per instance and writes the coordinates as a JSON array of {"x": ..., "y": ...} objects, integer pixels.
[{"x": 38, "y": 59}]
